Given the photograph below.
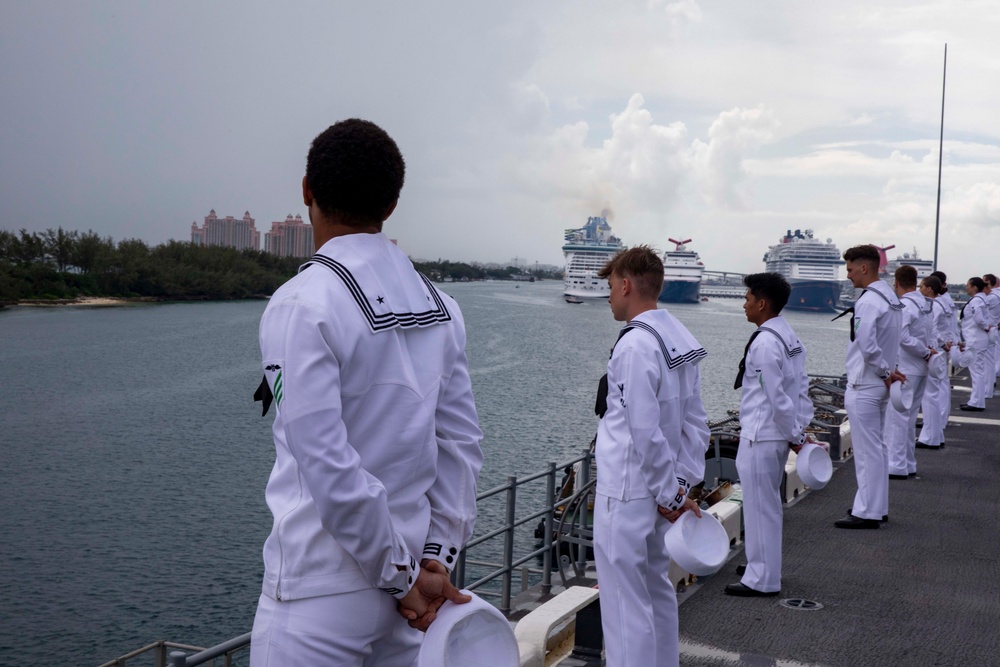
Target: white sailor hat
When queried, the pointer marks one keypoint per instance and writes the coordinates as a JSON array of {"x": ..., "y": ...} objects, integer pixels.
[
  {"x": 699, "y": 546},
  {"x": 474, "y": 634},
  {"x": 937, "y": 365},
  {"x": 814, "y": 465},
  {"x": 900, "y": 397}
]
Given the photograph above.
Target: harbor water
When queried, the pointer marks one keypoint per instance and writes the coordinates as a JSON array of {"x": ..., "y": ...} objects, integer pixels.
[{"x": 134, "y": 460}]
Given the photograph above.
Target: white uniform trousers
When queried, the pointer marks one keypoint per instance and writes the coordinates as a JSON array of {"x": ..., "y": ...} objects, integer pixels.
[
  {"x": 638, "y": 602},
  {"x": 990, "y": 367},
  {"x": 977, "y": 371},
  {"x": 866, "y": 408},
  {"x": 761, "y": 465},
  {"x": 996, "y": 355},
  {"x": 355, "y": 629},
  {"x": 936, "y": 406},
  {"x": 901, "y": 428}
]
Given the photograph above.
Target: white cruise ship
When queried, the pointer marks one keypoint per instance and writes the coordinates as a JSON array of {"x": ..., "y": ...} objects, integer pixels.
[
  {"x": 810, "y": 266},
  {"x": 587, "y": 249},
  {"x": 682, "y": 271},
  {"x": 924, "y": 267}
]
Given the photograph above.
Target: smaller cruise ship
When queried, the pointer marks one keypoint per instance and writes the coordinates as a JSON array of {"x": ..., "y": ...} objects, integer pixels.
[
  {"x": 888, "y": 267},
  {"x": 587, "y": 250},
  {"x": 682, "y": 271}
]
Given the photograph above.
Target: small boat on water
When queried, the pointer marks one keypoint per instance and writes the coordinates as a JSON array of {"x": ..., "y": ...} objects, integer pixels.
[{"x": 573, "y": 299}]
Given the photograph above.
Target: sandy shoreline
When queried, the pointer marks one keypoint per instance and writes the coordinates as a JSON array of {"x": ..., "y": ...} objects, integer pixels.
[{"x": 87, "y": 301}]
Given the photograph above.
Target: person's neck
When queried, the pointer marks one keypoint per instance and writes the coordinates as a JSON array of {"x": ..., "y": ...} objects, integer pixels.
[
  {"x": 764, "y": 319},
  {"x": 327, "y": 230},
  {"x": 638, "y": 309}
]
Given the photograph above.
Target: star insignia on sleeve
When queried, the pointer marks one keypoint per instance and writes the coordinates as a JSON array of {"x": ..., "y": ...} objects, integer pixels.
[{"x": 380, "y": 299}]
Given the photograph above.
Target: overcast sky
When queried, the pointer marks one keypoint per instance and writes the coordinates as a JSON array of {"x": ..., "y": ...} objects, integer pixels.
[{"x": 726, "y": 121}]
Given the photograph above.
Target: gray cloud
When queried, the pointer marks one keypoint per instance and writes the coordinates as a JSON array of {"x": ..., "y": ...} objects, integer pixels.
[{"x": 517, "y": 119}]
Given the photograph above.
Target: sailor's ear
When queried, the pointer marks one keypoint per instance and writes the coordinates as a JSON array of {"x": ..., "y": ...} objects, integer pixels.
[
  {"x": 307, "y": 195},
  {"x": 388, "y": 212}
]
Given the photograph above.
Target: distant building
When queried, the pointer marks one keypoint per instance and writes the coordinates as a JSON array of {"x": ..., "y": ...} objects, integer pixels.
[
  {"x": 228, "y": 231},
  {"x": 290, "y": 238}
]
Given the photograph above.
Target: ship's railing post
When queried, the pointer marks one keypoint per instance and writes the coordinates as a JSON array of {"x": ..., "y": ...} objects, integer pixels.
[
  {"x": 177, "y": 659},
  {"x": 716, "y": 438},
  {"x": 458, "y": 574},
  {"x": 581, "y": 552},
  {"x": 508, "y": 544},
  {"x": 550, "y": 493}
]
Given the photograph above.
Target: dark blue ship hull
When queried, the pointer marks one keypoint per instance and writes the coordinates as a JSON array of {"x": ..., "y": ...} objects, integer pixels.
[
  {"x": 815, "y": 295},
  {"x": 680, "y": 292}
]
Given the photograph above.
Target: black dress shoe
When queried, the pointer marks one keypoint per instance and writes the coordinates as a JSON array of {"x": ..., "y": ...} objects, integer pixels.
[
  {"x": 852, "y": 522},
  {"x": 884, "y": 519},
  {"x": 970, "y": 408},
  {"x": 912, "y": 474},
  {"x": 741, "y": 569},
  {"x": 921, "y": 445},
  {"x": 891, "y": 476},
  {"x": 742, "y": 591}
]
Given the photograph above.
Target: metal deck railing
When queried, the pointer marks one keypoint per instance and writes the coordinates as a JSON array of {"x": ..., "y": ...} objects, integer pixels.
[
  {"x": 564, "y": 521},
  {"x": 169, "y": 654}
]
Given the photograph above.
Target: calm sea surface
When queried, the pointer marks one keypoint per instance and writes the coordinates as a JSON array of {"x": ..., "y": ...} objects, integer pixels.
[{"x": 133, "y": 459}]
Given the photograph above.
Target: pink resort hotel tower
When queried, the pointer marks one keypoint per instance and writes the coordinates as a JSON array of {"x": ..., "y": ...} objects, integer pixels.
[
  {"x": 290, "y": 238},
  {"x": 228, "y": 231}
]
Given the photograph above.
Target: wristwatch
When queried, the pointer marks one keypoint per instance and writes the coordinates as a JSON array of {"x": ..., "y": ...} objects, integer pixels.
[{"x": 885, "y": 374}]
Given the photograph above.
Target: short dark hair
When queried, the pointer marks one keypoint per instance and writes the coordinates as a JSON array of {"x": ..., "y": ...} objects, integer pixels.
[
  {"x": 934, "y": 283},
  {"x": 906, "y": 276},
  {"x": 355, "y": 169},
  {"x": 642, "y": 265},
  {"x": 940, "y": 276},
  {"x": 771, "y": 287},
  {"x": 977, "y": 282},
  {"x": 863, "y": 253},
  {"x": 991, "y": 279}
]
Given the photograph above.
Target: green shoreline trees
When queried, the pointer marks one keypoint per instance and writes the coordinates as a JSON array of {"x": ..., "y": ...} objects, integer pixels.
[{"x": 59, "y": 264}]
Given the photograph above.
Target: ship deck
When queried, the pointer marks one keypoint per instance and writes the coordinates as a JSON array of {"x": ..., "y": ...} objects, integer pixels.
[{"x": 924, "y": 589}]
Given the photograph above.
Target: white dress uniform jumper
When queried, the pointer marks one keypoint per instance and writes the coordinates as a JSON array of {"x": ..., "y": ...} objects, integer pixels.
[
  {"x": 976, "y": 332},
  {"x": 915, "y": 337},
  {"x": 775, "y": 410},
  {"x": 377, "y": 454},
  {"x": 993, "y": 301},
  {"x": 651, "y": 441},
  {"x": 871, "y": 358}
]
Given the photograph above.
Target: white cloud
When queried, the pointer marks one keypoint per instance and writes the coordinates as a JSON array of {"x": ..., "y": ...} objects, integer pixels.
[{"x": 720, "y": 162}]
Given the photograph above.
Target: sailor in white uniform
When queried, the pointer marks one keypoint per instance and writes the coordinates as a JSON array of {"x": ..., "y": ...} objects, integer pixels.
[
  {"x": 976, "y": 327},
  {"x": 775, "y": 410},
  {"x": 938, "y": 388},
  {"x": 915, "y": 351},
  {"x": 651, "y": 446},
  {"x": 951, "y": 320},
  {"x": 871, "y": 368},
  {"x": 993, "y": 299},
  {"x": 376, "y": 435}
]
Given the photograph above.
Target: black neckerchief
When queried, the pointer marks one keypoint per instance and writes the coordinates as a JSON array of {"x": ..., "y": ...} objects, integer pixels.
[
  {"x": 851, "y": 311},
  {"x": 743, "y": 362}
]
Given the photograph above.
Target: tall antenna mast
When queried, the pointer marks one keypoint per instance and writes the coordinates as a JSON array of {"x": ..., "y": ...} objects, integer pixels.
[{"x": 937, "y": 216}]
